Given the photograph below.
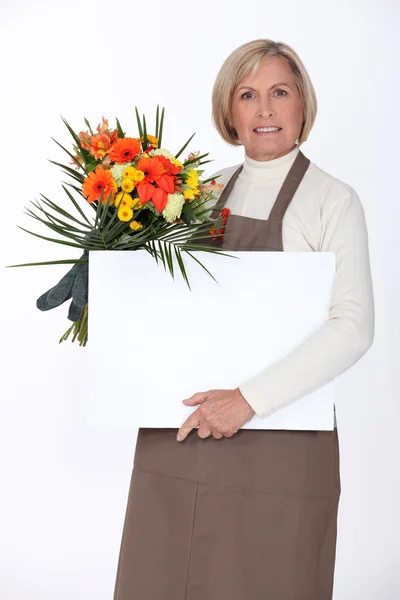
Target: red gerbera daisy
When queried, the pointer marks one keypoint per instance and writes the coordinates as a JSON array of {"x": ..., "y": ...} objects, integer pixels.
[{"x": 168, "y": 165}]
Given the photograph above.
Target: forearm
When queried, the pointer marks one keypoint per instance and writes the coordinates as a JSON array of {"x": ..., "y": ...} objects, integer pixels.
[{"x": 330, "y": 351}]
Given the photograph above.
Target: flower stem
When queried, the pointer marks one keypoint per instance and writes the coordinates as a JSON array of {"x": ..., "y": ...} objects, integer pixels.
[{"x": 79, "y": 329}]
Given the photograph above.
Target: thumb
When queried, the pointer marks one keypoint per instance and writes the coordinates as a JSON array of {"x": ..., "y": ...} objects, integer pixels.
[{"x": 198, "y": 398}]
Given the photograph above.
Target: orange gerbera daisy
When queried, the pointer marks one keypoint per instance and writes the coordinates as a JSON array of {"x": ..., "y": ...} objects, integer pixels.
[
  {"x": 124, "y": 150},
  {"x": 99, "y": 181},
  {"x": 152, "y": 168}
]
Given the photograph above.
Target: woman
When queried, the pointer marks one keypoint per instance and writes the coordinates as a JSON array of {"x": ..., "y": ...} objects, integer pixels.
[{"x": 249, "y": 514}]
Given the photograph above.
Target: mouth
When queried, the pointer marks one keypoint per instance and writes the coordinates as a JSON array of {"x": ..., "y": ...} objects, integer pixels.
[{"x": 267, "y": 130}]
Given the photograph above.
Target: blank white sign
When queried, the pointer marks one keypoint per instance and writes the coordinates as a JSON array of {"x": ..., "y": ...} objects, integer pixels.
[{"x": 153, "y": 342}]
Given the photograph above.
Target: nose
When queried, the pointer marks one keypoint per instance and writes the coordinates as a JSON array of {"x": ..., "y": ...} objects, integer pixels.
[{"x": 265, "y": 108}]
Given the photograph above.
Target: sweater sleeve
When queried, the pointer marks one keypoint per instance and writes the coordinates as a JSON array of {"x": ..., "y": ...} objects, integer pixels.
[{"x": 349, "y": 330}]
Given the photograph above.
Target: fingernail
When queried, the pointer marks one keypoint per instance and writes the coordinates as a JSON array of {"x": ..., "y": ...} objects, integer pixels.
[{"x": 179, "y": 437}]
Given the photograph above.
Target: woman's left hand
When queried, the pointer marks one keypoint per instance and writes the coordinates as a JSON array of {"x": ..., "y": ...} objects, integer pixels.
[{"x": 224, "y": 411}]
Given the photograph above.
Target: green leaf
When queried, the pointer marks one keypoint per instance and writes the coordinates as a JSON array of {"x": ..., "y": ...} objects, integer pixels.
[
  {"x": 120, "y": 130},
  {"x": 88, "y": 126},
  {"x": 210, "y": 179},
  {"x": 139, "y": 124},
  {"x": 55, "y": 219},
  {"x": 192, "y": 160},
  {"x": 98, "y": 210},
  {"x": 108, "y": 229},
  {"x": 105, "y": 211},
  {"x": 154, "y": 250},
  {"x": 145, "y": 140},
  {"x": 60, "y": 210},
  {"x": 85, "y": 154},
  {"x": 74, "y": 202},
  {"x": 188, "y": 214},
  {"x": 70, "y": 261},
  {"x": 113, "y": 230},
  {"x": 162, "y": 257},
  {"x": 201, "y": 264},
  {"x": 181, "y": 265},
  {"x": 57, "y": 229},
  {"x": 91, "y": 167},
  {"x": 169, "y": 258},
  {"x": 69, "y": 171},
  {"x": 54, "y": 240},
  {"x": 161, "y": 128},
  {"x": 185, "y": 146},
  {"x": 157, "y": 120},
  {"x": 69, "y": 154}
]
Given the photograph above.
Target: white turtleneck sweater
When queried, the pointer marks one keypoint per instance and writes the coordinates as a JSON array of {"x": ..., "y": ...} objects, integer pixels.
[{"x": 325, "y": 215}]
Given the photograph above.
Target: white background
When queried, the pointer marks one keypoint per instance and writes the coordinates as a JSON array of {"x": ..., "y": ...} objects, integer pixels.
[{"x": 64, "y": 485}]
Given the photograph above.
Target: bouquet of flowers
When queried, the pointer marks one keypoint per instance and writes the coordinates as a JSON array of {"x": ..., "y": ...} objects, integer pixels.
[{"x": 143, "y": 197}]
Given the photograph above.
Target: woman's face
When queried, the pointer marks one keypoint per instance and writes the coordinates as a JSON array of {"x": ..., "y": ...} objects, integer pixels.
[{"x": 270, "y": 97}]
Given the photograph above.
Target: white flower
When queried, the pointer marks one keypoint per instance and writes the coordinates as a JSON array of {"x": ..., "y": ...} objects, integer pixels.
[
  {"x": 163, "y": 152},
  {"x": 118, "y": 170},
  {"x": 173, "y": 208}
]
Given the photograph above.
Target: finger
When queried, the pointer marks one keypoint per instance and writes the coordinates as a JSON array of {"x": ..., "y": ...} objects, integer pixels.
[
  {"x": 190, "y": 423},
  {"x": 217, "y": 434},
  {"x": 204, "y": 429},
  {"x": 198, "y": 398},
  {"x": 229, "y": 434}
]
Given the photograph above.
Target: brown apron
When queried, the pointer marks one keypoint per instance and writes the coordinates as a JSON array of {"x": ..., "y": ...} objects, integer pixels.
[{"x": 251, "y": 517}]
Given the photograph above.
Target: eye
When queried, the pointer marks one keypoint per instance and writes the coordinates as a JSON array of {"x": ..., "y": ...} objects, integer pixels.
[
  {"x": 284, "y": 91},
  {"x": 246, "y": 95}
]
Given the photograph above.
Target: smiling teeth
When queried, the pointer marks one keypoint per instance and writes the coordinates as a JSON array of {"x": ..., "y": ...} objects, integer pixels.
[{"x": 268, "y": 129}]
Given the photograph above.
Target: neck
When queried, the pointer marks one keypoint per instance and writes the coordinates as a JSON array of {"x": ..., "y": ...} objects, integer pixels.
[
  {"x": 266, "y": 157},
  {"x": 269, "y": 168}
]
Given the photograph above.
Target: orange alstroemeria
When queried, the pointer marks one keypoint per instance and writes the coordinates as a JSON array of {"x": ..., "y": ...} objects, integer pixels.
[
  {"x": 99, "y": 181},
  {"x": 159, "y": 199},
  {"x": 124, "y": 150},
  {"x": 99, "y": 144},
  {"x": 145, "y": 191}
]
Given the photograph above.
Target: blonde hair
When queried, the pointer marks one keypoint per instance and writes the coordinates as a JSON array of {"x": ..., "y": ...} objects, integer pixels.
[{"x": 248, "y": 58}]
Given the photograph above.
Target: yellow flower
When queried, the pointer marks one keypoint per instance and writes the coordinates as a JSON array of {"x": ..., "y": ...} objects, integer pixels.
[
  {"x": 138, "y": 175},
  {"x": 129, "y": 172},
  {"x": 152, "y": 140},
  {"x": 135, "y": 225},
  {"x": 125, "y": 213},
  {"x": 192, "y": 179},
  {"x": 127, "y": 185},
  {"x": 177, "y": 163},
  {"x": 124, "y": 199},
  {"x": 188, "y": 194}
]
